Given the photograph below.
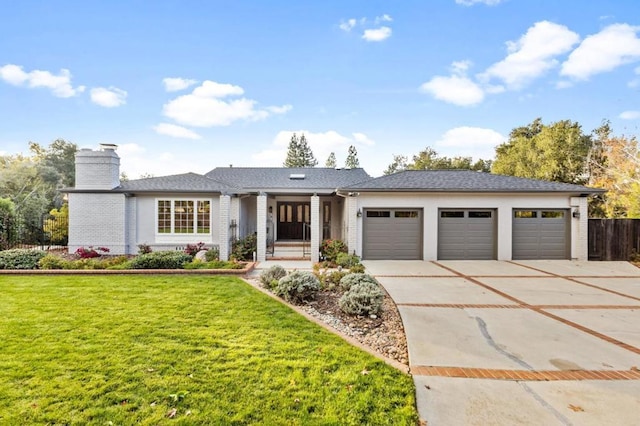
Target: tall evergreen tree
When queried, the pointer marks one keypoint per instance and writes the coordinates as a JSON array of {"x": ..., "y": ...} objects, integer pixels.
[
  {"x": 305, "y": 153},
  {"x": 331, "y": 161},
  {"x": 293, "y": 152},
  {"x": 299, "y": 153},
  {"x": 352, "y": 161}
]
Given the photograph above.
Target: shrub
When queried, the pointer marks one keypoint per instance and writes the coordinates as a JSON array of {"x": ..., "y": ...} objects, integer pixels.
[
  {"x": 331, "y": 279},
  {"x": 363, "y": 298},
  {"x": 90, "y": 252},
  {"x": 271, "y": 275},
  {"x": 331, "y": 248},
  {"x": 51, "y": 261},
  {"x": 357, "y": 269},
  {"x": 243, "y": 248},
  {"x": 144, "y": 248},
  {"x": 298, "y": 286},
  {"x": 212, "y": 254},
  {"x": 20, "y": 258},
  {"x": 347, "y": 260},
  {"x": 193, "y": 249},
  {"x": 161, "y": 260},
  {"x": 214, "y": 264},
  {"x": 352, "y": 279}
]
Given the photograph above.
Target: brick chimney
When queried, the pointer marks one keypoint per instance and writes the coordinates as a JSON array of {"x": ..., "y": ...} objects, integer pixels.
[{"x": 98, "y": 169}]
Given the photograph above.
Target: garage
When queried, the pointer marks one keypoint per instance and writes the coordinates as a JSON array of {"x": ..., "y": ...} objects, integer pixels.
[
  {"x": 466, "y": 234},
  {"x": 394, "y": 234},
  {"x": 541, "y": 234}
]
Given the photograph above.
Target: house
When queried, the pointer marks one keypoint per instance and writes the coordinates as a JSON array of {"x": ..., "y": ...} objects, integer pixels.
[{"x": 430, "y": 215}]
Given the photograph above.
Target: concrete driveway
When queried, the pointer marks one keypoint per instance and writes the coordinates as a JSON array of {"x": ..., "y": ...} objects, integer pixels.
[{"x": 526, "y": 342}]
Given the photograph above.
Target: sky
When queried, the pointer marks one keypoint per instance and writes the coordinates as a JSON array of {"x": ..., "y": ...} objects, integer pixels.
[{"x": 187, "y": 86}]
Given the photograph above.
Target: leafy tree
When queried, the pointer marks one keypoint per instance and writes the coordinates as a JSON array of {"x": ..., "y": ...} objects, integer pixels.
[
  {"x": 22, "y": 182},
  {"x": 57, "y": 227},
  {"x": 331, "y": 161},
  {"x": 299, "y": 153},
  {"x": 428, "y": 159},
  {"x": 614, "y": 164},
  {"x": 352, "y": 161},
  {"x": 7, "y": 227},
  {"x": 554, "y": 152}
]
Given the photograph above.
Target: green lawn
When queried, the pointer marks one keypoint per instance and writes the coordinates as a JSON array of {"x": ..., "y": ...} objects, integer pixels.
[{"x": 130, "y": 349}]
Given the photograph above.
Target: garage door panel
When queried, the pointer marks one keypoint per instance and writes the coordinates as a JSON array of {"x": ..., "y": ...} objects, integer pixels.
[
  {"x": 541, "y": 234},
  {"x": 466, "y": 234},
  {"x": 394, "y": 233}
]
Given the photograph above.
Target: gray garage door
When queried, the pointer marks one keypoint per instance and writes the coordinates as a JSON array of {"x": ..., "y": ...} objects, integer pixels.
[
  {"x": 392, "y": 234},
  {"x": 541, "y": 234},
  {"x": 466, "y": 234}
]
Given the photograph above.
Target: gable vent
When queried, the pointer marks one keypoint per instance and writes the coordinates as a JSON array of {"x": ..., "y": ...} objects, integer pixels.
[{"x": 296, "y": 176}]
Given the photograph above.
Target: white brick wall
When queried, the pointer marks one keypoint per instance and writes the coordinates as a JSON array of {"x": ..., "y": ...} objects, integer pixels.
[
  {"x": 262, "y": 227},
  {"x": 353, "y": 225},
  {"x": 315, "y": 228},
  {"x": 580, "y": 229},
  {"x": 98, "y": 220},
  {"x": 225, "y": 207},
  {"x": 97, "y": 169}
]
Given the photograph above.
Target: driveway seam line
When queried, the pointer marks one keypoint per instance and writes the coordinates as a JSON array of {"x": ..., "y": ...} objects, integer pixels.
[
  {"x": 577, "y": 281},
  {"x": 547, "y": 314},
  {"x": 525, "y": 375}
]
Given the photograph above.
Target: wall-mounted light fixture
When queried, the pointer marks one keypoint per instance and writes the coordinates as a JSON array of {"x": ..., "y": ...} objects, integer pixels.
[
  {"x": 576, "y": 214},
  {"x": 359, "y": 213}
]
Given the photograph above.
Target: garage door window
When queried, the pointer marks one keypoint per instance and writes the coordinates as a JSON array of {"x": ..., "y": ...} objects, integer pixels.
[
  {"x": 377, "y": 213},
  {"x": 406, "y": 214},
  {"x": 483, "y": 215},
  {"x": 525, "y": 214},
  {"x": 553, "y": 214},
  {"x": 452, "y": 214}
]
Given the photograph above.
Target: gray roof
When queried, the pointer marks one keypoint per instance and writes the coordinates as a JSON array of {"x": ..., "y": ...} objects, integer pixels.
[
  {"x": 187, "y": 182},
  {"x": 462, "y": 181},
  {"x": 280, "y": 178}
]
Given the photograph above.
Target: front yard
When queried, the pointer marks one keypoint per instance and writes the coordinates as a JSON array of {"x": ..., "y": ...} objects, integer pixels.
[{"x": 180, "y": 349}]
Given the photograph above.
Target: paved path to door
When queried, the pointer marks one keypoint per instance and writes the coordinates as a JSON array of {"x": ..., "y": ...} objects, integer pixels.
[{"x": 526, "y": 342}]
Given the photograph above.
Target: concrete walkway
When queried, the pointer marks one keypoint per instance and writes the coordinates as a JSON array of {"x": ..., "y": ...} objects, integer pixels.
[{"x": 527, "y": 342}]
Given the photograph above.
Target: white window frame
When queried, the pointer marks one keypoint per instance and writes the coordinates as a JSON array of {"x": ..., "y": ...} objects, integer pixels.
[{"x": 173, "y": 237}]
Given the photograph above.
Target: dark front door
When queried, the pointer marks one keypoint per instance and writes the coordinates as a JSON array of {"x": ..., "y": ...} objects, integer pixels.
[{"x": 292, "y": 217}]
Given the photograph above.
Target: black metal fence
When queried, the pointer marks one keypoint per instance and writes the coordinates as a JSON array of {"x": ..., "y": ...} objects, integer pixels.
[
  {"x": 48, "y": 232},
  {"x": 614, "y": 239}
]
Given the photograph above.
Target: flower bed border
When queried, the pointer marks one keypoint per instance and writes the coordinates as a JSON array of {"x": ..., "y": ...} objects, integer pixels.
[{"x": 248, "y": 268}]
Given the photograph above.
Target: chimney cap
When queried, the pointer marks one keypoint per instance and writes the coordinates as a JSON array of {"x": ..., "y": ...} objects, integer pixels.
[{"x": 110, "y": 146}]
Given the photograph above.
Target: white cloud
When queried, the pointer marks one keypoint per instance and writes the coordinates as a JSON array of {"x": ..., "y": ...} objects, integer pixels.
[
  {"x": 321, "y": 143},
  {"x": 630, "y": 115},
  {"x": 532, "y": 55},
  {"x": 476, "y": 142},
  {"x": 377, "y": 34},
  {"x": 279, "y": 109},
  {"x": 615, "y": 45},
  {"x": 108, "y": 98},
  {"x": 348, "y": 24},
  {"x": 383, "y": 18},
  {"x": 564, "y": 84},
  {"x": 211, "y": 89},
  {"x": 60, "y": 84},
  {"x": 457, "y": 90},
  {"x": 205, "y": 108},
  {"x": 472, "y": 2},
  {"x": 174, "y": 84},
  {"x": 369, "y": 34},
  {"x": 176, "y": 131}
]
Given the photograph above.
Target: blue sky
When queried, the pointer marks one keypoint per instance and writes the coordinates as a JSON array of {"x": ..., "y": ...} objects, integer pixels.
[{"x": 190, "y": 85}]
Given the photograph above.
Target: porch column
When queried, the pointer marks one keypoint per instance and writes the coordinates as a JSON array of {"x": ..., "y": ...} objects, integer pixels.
[
  {"x": 352, "y": 225},
  {"x": 261, "y": 217},
  {"x": 315, "y": 228},
  {"x": 223, "y": 247}
]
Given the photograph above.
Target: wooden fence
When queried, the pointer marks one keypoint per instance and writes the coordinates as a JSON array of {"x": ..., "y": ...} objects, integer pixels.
[{"x": 614, "y": 239}]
